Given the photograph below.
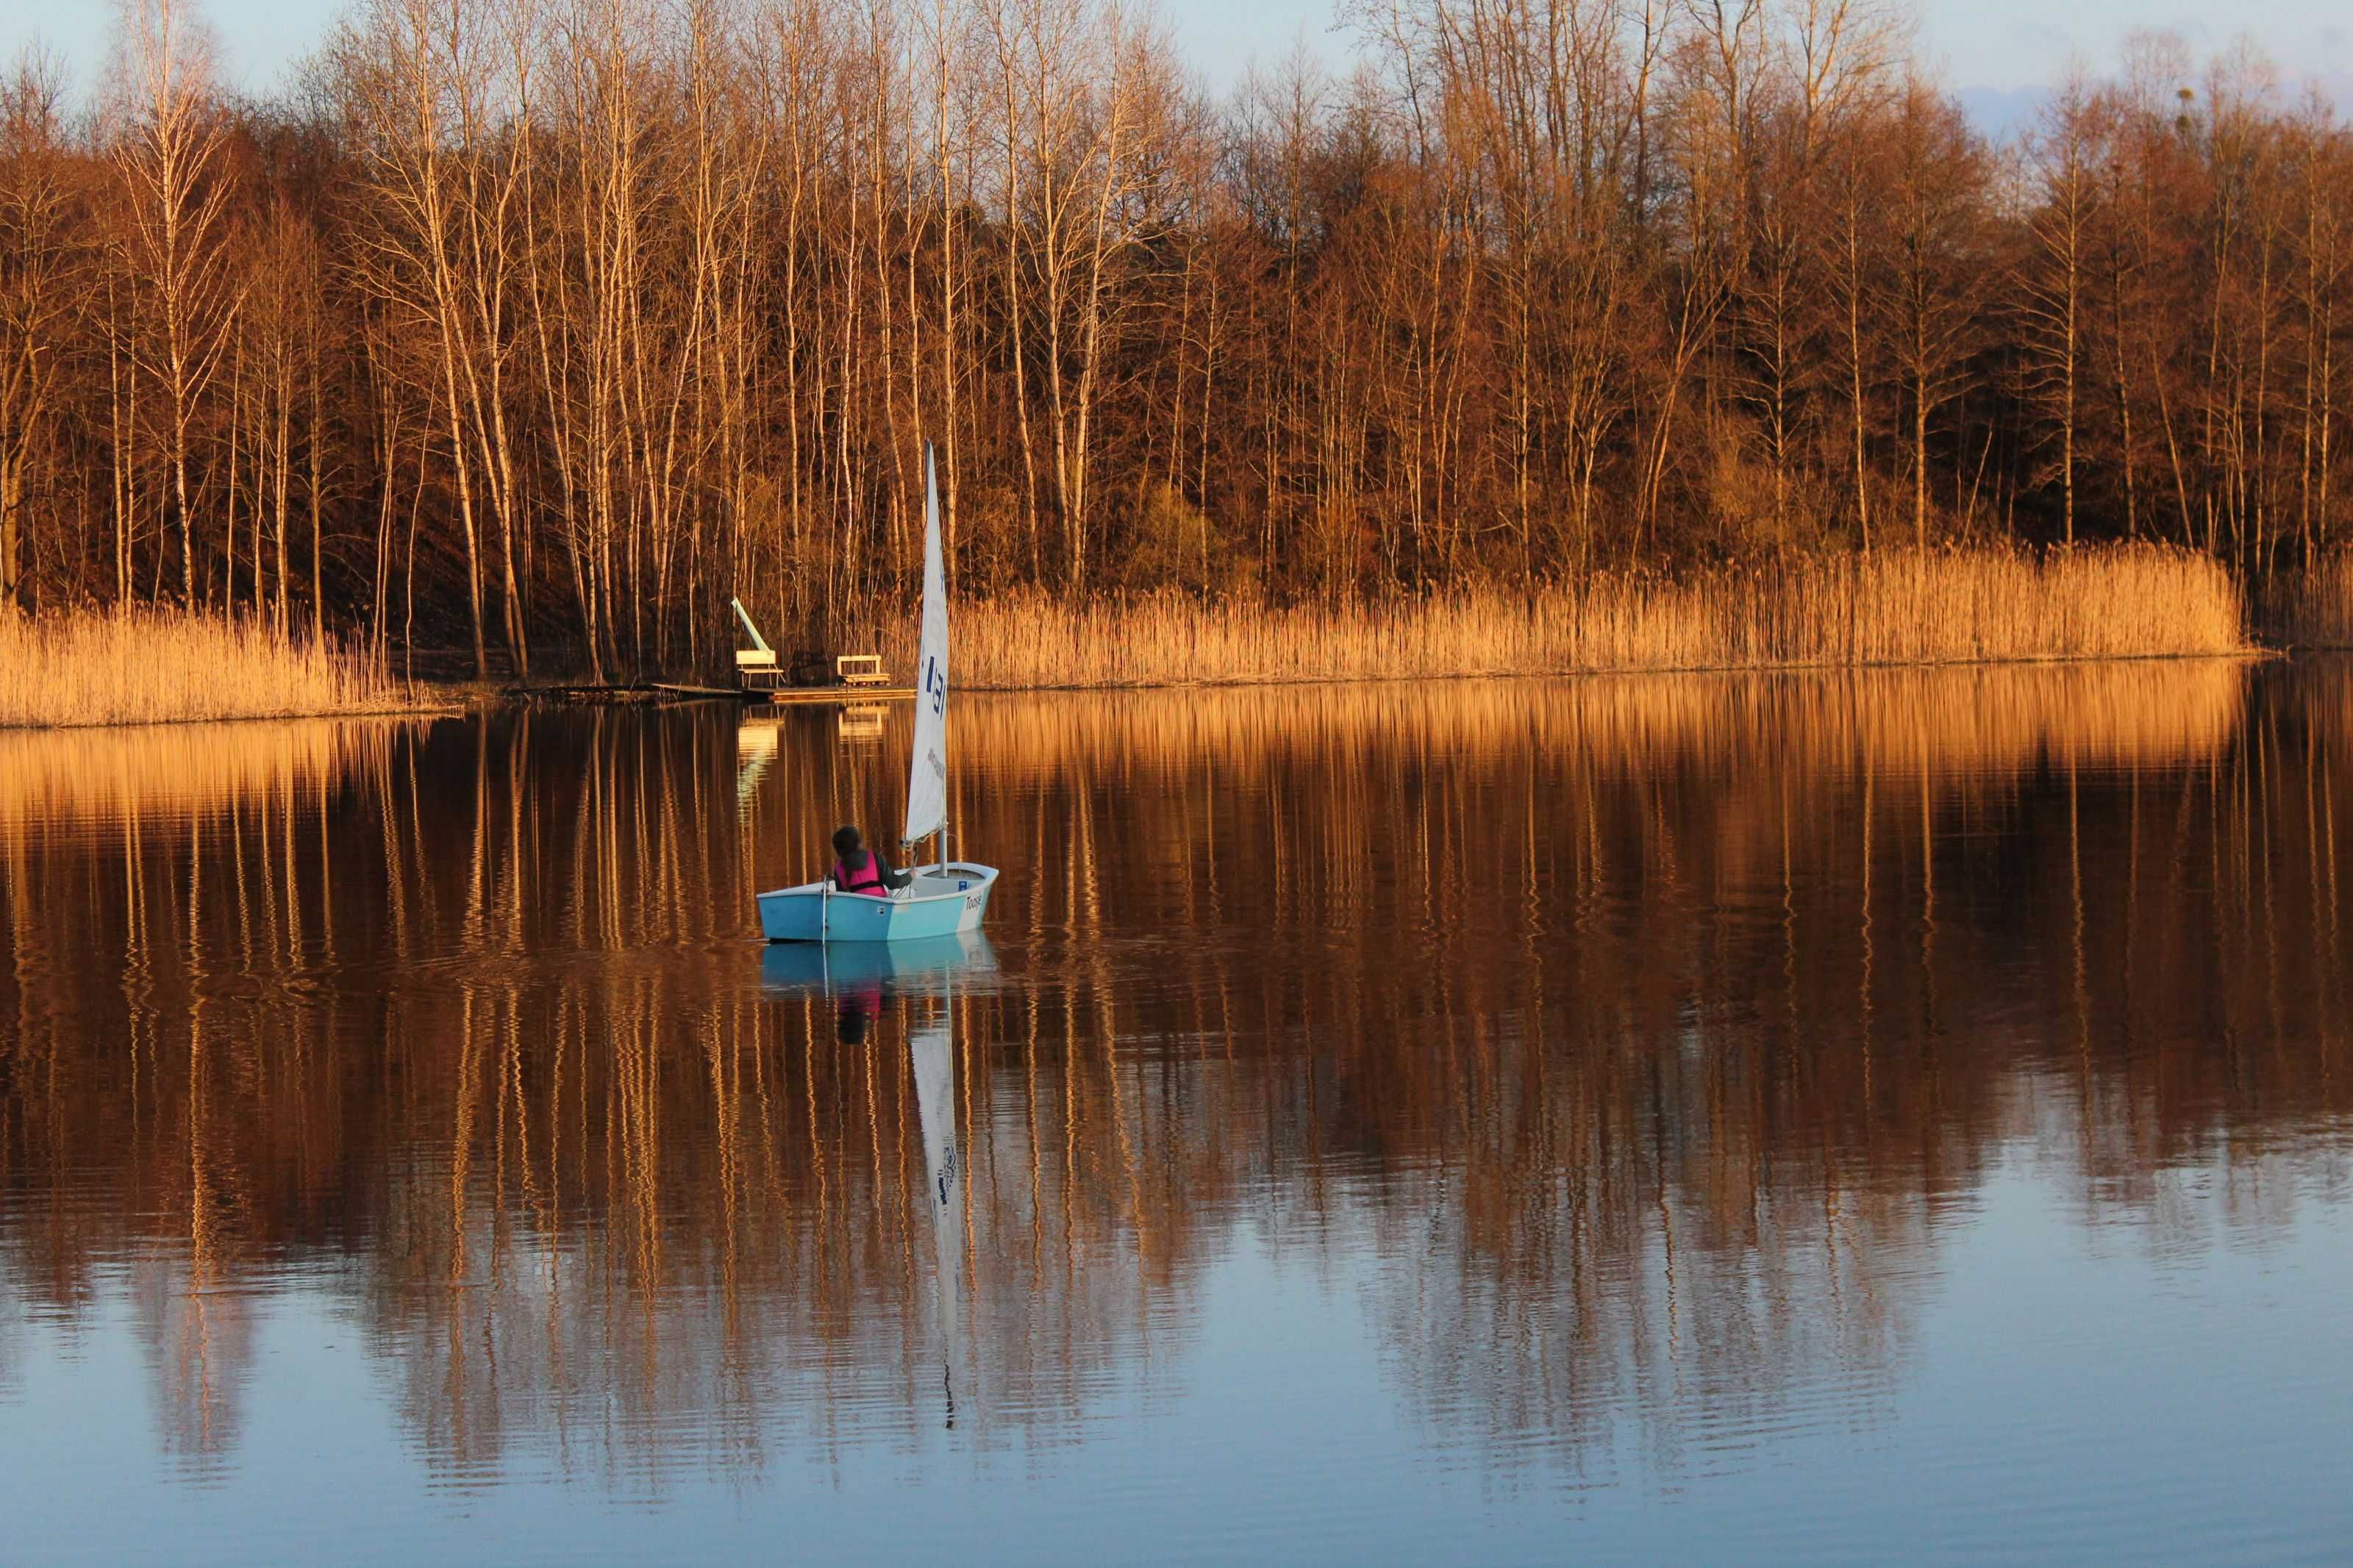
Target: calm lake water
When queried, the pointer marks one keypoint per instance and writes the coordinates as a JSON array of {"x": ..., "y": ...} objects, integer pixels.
[{"x": 1907, "y": 1117}]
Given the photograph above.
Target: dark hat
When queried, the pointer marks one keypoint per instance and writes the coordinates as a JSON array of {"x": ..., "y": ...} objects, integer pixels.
[{"x": 844, "y": 839}]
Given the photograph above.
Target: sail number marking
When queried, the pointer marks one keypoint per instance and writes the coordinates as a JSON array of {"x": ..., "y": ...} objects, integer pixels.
[{"x": 935, "y": 684}]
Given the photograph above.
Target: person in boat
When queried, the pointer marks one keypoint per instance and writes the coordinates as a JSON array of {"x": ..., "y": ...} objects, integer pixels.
[{"x": 857, "y": 870}]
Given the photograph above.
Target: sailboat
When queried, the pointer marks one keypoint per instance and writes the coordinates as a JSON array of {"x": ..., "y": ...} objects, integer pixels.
[{"x": 947, "y": 897}]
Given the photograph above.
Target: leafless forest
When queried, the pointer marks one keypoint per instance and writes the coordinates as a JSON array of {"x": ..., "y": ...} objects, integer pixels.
[{"x": 542, "y": 326}]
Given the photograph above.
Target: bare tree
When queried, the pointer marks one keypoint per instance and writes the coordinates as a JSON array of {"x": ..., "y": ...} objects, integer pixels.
[
  {"x": 42, "y": 268},
  {"x": 2064, "y": 156},
  {"x": 168, "y": 140},
  {"x": 1937, "y": 266}
]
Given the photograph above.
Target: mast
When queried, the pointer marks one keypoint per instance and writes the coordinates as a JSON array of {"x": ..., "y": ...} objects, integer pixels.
[
  {"x": 935, "y": 562},
  {"x": 927, "y": 769}
]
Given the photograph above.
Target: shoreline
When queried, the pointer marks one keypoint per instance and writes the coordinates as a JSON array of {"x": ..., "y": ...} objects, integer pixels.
[
  {"x": 295, "y": 716},
  {"x": 1970, "y": 607},
  {"x": 2253, "y": 654},
  {"x": 459, "y": 698}
]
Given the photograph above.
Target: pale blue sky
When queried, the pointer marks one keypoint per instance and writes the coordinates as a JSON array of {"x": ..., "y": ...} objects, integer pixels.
[{"x": 1996, "y": 44}]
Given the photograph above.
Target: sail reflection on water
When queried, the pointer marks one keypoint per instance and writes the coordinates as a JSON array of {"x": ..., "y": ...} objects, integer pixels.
[{"x": 932, "y": 1049}]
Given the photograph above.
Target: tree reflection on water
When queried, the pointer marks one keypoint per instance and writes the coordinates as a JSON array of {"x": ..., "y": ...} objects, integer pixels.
[{"x": 1624, "y": 1045}]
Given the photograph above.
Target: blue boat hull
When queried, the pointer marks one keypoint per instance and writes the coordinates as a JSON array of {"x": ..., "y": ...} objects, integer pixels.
[{"x": 941, "y": 902}]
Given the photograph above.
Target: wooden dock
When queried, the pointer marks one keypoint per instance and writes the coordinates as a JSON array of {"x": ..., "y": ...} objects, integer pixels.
[
  {"x": 842, "y": 696},
  {"x": 751, "y": 697},
  {"x": 702, "y": 693}
]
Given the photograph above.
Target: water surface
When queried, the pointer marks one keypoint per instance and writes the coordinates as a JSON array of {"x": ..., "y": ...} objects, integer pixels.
[{"x": 1789, "y": 1118}]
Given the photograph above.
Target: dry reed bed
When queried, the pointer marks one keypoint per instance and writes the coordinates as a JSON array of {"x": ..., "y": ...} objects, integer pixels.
[
  {"x": 1941, "y": 608},
  {"x": 1986, "y": 720},
  {"x": 144, "y": 666},
  {"x": 145, "y": 773}
]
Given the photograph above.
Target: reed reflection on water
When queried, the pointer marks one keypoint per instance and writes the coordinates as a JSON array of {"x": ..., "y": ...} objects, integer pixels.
[{"x": 1628, "y": 1047}]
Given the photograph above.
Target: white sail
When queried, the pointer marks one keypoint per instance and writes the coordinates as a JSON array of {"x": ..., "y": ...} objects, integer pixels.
[
  {"x": 927, "y": 769},
  {"x": 933, "y": 1049}
]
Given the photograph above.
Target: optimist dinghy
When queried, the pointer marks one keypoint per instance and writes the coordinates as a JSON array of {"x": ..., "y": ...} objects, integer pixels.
[{"x": 947, "y": 897}]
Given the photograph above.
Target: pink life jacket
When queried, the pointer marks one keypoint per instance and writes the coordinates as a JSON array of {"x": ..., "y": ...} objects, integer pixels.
[{"x": 867, "y": 878}]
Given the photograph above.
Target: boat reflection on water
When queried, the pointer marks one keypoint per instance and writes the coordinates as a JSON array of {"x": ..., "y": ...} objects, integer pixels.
[
  {"x": 923, "y": 967},
  {"x": 861, "y": 978}
]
